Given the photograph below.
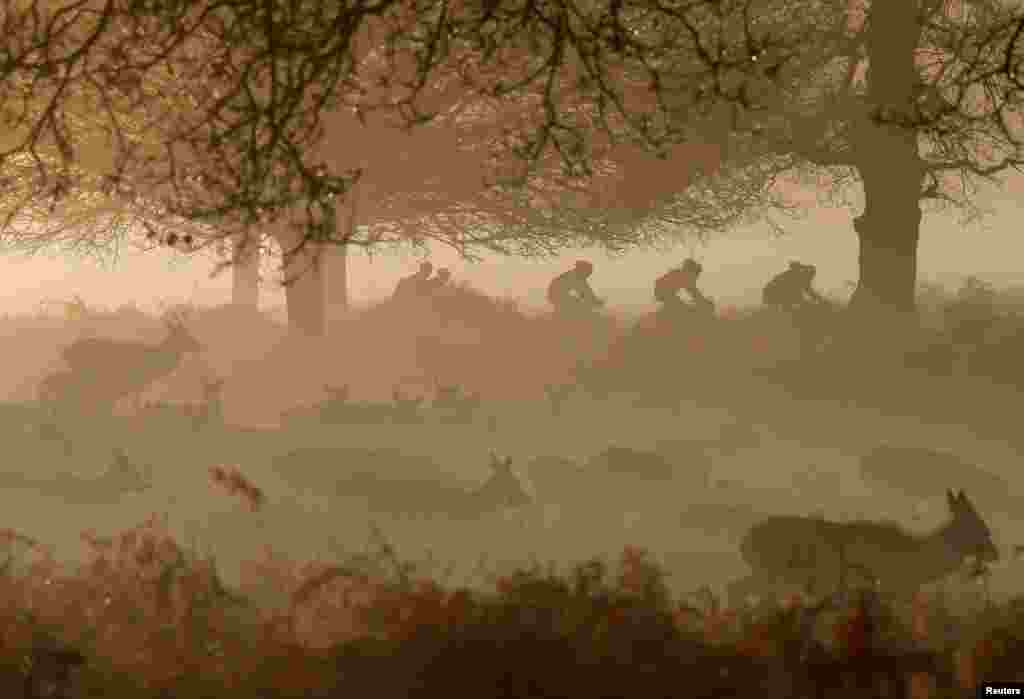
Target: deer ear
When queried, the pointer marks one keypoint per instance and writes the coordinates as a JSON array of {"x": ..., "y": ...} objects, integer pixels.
[{"x": 966, "y": 503}]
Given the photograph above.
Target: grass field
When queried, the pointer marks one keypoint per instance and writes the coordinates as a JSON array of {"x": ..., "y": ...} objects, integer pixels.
[{"x": 805, "y": 462}]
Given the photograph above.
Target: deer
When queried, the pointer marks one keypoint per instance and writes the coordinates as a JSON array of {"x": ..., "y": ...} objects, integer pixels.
[
  {"x": 337, "y": 397},
  {"x": 454, "y": 405},
  {"x": 123, "y": 477},
  {"x": 502, "y": 489},
  {"x": 340, "y": 409},
  {"x": 105, "y": 370},
  {"x": 557, "y": 395},
  {"x": 819, "y": 553},
  {"x": 210, "y": 411},
  {"x": 358, "y": 476},
  {"x": 691, "y": 459},
  {"x": 406, "y": 410},
  {"x": 62, "y": 388}
]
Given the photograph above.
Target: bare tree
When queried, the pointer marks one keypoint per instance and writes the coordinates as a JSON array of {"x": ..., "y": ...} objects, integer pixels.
[
  {"x": 176, "y": 115},
  {"x": 916, "y": 100},
  {"x": 550, "y": 102}
]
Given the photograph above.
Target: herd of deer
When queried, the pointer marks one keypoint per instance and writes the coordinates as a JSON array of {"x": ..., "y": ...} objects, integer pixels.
[
  {"x": 103, "y": 371},
  {"x": 450, "y": 405},
  {"x": 779, "y": 549}
]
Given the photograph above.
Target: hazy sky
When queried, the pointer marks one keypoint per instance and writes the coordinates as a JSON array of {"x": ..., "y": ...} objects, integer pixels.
[{"x": 735, "y": 267}]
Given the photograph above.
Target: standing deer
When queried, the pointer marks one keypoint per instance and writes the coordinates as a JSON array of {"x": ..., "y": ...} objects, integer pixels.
[
  {"x": 63, "y": 388},
  {"x": 123, "y": 477},
  {"x": 817, "y": 552},
  {"x": 210, "y": 411},
  {"x": 557, "y": 394},
  {"x": 104, "y": 371}
]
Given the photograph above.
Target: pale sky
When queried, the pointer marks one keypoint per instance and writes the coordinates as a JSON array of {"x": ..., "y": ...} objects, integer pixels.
[{"x": 735, "y": 267}]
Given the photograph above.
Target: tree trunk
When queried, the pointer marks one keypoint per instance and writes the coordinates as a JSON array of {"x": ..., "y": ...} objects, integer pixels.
[
  {"x": 888, "y": 234},
  {"x": 304, "y": 283},
  {"x": 245, "y": 272},
  {"x": 889, "y": 164},
  {"x": 336, "y": 262}
]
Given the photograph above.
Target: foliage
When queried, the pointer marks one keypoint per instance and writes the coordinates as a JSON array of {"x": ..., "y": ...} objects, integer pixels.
[
  {"x": 464, "y": 334},
  {"x": 780, "y": 89},
  {"x": 214, "y": 117},
  {"x": 148, "y": 618}
]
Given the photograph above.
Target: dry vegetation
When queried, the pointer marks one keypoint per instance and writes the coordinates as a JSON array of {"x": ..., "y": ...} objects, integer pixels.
[{"x": 678, "y": 451}]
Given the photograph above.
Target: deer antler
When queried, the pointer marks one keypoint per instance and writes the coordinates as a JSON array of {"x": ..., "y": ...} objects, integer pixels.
[{"x": 176, "y": 317}]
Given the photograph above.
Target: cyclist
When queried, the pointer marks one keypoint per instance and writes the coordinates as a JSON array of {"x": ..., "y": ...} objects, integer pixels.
[
  {"x": 792, "y": 289},
  {"x": 438, "y": 282},
  {"x": 414, "y": 284},
  {"x": 792, "y": 292},
  {"x": 683, "y": 278},
  {"x": 570, "y": 292}
]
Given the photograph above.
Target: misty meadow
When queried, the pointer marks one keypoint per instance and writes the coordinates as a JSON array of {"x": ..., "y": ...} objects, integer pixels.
[{"x": 443, "y": 487}]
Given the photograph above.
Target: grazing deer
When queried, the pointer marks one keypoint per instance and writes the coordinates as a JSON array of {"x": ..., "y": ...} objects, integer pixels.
[
  {"x": 211, "y": 410},
  {"x": 338, "y": 408},
  {"x": 558, "y": 478},
  {"x": 122, "y": 478},
  {"x": 454, "y": 404},
  {"x": 592, "y": 378},
  {"x": 337, "y": 397},
  {"x": 103, "y": 370},
  {"x": 328, "y": 410},
  {"x": 422, "y": 495},
  {"x": 557, "y": 394},
  {"x": 503, "y": 489},
  {"x": 645, "y": 465},
  {"x": 691, "y": 459},
  {"x": 823, "y": 554},
  {"x": 63, "y": 389},
  {"x": 50, "y": 431},
  {"x": 406, "y": 410}
]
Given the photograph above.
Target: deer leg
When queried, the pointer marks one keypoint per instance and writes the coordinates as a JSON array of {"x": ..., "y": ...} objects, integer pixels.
[
  {"x": 758, "y": 588},
  {"x": 739, "y": 592}
]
